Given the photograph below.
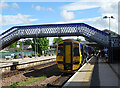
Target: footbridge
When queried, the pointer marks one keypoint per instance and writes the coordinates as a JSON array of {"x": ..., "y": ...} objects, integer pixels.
[{"x": 54, "y": 30}]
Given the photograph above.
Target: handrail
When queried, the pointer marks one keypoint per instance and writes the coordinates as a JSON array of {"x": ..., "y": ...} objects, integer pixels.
[{"x": 99, "y": 36}]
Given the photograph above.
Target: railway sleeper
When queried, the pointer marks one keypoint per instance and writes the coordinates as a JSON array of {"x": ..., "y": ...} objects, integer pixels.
[
  {"x": 15, "y": 71},
  {"x": 60, "y": 81}
]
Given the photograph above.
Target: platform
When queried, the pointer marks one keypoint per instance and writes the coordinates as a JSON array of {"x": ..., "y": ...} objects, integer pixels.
[
  {"x": 97, "y": 73},
  {"x": 16, "y": 64},
  {"x": 25, "y": 60}
]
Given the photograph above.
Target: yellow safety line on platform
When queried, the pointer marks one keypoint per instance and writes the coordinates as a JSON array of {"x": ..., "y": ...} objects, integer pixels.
[{"x": 87, "y": 78}]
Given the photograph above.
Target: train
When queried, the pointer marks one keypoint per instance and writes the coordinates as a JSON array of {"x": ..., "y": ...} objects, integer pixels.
[{"x": 71, "y": 55}]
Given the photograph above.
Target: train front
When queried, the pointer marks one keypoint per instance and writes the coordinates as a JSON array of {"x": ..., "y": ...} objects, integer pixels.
[{"x": 68, "y": 56}]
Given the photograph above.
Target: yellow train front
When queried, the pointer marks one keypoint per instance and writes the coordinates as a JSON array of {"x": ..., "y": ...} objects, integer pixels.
[{"x": 69, "y": 56}]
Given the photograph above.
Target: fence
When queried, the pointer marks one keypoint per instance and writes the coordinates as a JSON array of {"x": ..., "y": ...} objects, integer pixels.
[{"x": 12, "y": 54}]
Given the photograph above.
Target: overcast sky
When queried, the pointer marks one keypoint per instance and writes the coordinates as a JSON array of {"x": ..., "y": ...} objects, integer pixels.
[{"x": 27, "y": 12}]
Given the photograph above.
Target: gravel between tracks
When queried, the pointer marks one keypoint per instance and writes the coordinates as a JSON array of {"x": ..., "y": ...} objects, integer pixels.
[
  {"x": 43, "y": 82},
  {"x": 22, "y": 76},
  {"x": 15, "y": 78}
]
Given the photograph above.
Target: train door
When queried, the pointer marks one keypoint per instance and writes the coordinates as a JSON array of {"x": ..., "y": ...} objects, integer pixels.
[
  {"x": 68, "y": 55},
  {"x": 82, "y": 52}
]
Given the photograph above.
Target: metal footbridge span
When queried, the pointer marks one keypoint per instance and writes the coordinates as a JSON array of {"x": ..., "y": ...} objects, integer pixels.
[{"x": 54, "y": 30}]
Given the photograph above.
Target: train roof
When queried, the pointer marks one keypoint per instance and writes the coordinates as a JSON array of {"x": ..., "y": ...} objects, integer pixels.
[
  {"x": 70, "y": 40},
  {"x": 85, "y": 43}
]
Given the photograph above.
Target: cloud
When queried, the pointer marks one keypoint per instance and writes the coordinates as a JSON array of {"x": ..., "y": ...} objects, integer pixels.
[
  {"x": 107, "y": 8},
  {"x": 97, "y": 22},
  {"x": 50, "y": 9},
  {"x": 16, "y": 19},
  {"x": 32, "y": 5},
  {"x": 119, "y": 18},
  {"x": 33, "y": 20},
  {"x": 77, "y": 21},
  {"x": 104, "y": 24},
  {"x": 68, "y": 10},
  {"x": 38, "y": 8},
  {"x": 67, "y": 15},
  {"x": 81, "y": 6},
  {"x": 15, "y": 5},
  {"x": 3, "y": 5}
]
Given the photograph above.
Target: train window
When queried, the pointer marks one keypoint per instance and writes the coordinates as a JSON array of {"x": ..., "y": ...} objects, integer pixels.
[
  {"x": 60, "y": 51},
  {"x": 76, "y": 51},
  {"x": 75, "y": 44},
  {"x": 60, "y": 45}
]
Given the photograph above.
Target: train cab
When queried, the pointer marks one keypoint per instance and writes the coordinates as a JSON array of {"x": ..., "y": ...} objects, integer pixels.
[{"x": 68, "y": 56}]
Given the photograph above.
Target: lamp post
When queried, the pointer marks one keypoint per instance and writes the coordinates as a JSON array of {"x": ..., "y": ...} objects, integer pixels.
[
  {"x": 110, "y": 48},
  {"x": 22, "y": 48},
  {"x": 35, "y": 48},
  {"x": 18, "y": 46}
]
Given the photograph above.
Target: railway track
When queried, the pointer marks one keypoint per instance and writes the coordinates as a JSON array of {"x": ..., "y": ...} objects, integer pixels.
[
  {"x": 15, "y": 72},
  {"x": 59, "y": 81}
]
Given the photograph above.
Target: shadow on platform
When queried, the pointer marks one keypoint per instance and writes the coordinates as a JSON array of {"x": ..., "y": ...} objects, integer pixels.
[{"x": 95, "y": 81}]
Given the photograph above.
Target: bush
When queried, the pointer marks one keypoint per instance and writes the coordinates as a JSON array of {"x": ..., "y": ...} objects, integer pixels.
[
  {"x": 52, "y": 54},
  {"x": 39, "y": 55},
  {"x": 14, "y": 85},
  {"x": 25, "y": 79},
  {"x": 30, "y": 56},
  {"x": 33, "y": 55},
  {"x": 16, "y": 56},
  {"x": 45, "y": 54}
]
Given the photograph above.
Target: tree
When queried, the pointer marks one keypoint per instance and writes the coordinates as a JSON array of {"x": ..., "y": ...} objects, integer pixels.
[
  {"x": 43, "y": 44},
  {"x": 57, "y": 40},
  {"x": 27, "y": 42},
  {"x": 14, "y": 45},
  {"x": 78, "y": 39}
]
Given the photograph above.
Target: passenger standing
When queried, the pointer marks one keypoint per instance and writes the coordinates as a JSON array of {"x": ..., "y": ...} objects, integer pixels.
[
  {"x": 93, "y": 52},
  {"x": 99, "y": 53},
  {"x": 102, "y": 53},
  {"x": 85, "y": 57},
  {"x": 106, "y": 54}
]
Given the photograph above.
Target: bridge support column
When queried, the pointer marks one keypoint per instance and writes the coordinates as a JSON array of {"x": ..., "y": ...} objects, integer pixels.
[
  {"x": 116, "y": 55},
  {"x": 110, "y": 59},
  {"x": 110, "y": 51}
]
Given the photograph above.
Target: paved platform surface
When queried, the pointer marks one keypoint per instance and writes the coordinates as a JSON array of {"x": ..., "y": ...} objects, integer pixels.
[
  {"x": 82, "y": 77},
  {"x": 96, "y": 74},
  {"x": 104, "y": 76},
  {"x": 4, "y": 62}
]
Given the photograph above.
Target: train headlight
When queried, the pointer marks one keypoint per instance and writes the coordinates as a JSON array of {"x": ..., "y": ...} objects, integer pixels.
[
  {"x": 75, "y": 57},
  {"x": 60, "y": 57}
]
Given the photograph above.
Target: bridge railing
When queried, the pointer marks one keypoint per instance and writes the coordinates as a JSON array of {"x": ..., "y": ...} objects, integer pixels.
[
  {"x": 115, "y": 42},
  {"x": 54, "y": 30}
]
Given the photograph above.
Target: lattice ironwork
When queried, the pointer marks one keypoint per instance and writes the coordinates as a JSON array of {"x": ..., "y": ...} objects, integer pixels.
[{"x": 54, "y": 30}]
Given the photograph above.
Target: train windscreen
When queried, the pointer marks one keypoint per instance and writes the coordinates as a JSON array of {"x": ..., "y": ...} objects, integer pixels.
[
  {"x": 60, "y": 51},
  {"x": 76, "y": 51}
]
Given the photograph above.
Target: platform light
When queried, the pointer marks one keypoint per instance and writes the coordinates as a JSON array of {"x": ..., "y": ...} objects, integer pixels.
[
  {"x": 22, "y": 49},
  {"x": 18, "y": 46},
  {"x": 110, "y": 49}
]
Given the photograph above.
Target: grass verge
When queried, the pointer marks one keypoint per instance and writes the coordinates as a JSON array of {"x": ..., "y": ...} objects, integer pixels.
[{"x": 36, "y": 76}]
